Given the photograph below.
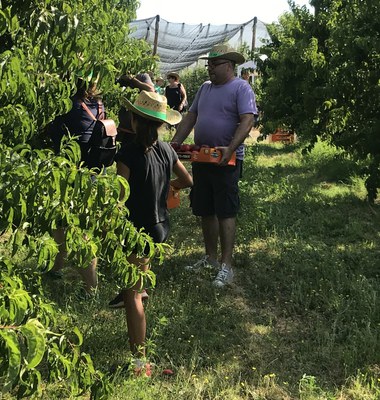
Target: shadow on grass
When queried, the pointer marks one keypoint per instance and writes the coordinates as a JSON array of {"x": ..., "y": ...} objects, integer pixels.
[
  {"x": 304, "y": 299},
  {"x": 305, "y": 293}
]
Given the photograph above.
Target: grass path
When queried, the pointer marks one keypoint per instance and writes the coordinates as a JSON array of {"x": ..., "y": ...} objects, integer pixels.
[{"x": 301, "y": 320}]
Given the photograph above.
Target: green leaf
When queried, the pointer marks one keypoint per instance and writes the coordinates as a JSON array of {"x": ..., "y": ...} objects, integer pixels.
[
  {"x": 34, "y": 332},
  {"x": 14, "y": 358},
  {"x": 79, "y": 336},
  {"x": 19, "y": 304}
]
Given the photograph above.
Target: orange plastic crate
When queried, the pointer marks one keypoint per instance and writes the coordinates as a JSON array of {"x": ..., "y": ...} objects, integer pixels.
[
  {"x": 282, "y": 136},
  {"x": 210, "y": 155},
  {"x": 173, "y": 200}
]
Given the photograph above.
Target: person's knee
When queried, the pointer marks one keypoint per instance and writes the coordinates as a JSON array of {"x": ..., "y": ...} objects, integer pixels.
[{"x": 131, "y": 297}]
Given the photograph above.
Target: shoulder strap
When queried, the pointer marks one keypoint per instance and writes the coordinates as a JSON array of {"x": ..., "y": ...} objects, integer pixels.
[
  {"x": 84, "y": 105},
  {"x": 100, "y": 113}
]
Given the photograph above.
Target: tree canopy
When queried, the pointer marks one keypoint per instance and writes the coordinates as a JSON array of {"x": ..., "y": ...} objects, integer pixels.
[
  {"x": 321, "y": 78},
  {"x": 45, "y": 46}
]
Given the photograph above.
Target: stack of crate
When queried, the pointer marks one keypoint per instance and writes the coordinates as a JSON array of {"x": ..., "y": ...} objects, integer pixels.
[{"x": 282, "y": 135}]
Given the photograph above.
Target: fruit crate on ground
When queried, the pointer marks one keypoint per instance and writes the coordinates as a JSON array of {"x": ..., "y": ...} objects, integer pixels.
[{"x": 282, "y": 136}]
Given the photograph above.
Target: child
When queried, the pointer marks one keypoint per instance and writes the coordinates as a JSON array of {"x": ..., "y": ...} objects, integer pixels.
[{"x": 147, "y": 164}]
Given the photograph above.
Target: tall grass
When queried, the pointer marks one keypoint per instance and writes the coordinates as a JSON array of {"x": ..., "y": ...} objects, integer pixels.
[{"x": 302, "y": 318}]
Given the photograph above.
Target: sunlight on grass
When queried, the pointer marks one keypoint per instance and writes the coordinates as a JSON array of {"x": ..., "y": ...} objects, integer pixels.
[
  {"x": 289, "y": 160},
  {"x": 301, "y": 320},
  {"x": 334, "y": 191},
  {"x": 261, "y": 330}
]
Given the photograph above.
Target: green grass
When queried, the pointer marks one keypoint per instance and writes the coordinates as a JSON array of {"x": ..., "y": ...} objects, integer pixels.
[{"x": 302, "y": 320}]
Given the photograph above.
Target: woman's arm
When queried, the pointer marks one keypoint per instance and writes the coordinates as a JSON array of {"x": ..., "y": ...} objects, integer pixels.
[
  {"x": 183, "y": 97},
  {"x": 184, "y": 179}
]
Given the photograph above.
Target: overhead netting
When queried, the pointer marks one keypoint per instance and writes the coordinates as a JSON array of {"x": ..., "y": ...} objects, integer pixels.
[{"x": 179, "y": 45}]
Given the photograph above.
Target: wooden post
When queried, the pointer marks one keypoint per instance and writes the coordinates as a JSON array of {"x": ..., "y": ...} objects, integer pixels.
[
  {"x": 157, "y": 27},
  {"x": 254, "y": 34}
]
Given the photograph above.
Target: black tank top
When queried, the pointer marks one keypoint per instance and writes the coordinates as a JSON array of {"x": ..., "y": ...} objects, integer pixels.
[{"x": 174, "y": 96}]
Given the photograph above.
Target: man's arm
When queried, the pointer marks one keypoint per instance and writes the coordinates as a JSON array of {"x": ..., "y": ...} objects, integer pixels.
[
  {"x": 185, "y": 127},
  {"x": 133, "y": 82},
  {"x": 142, "y": 85},
  {"x": 241, "y": 133}
]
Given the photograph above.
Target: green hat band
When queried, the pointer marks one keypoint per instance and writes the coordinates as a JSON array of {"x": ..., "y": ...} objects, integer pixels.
[
  {"x": 214, "y": 54},
  {"x": 155, "y": 114},
  {"x": 85, "y": 75}
]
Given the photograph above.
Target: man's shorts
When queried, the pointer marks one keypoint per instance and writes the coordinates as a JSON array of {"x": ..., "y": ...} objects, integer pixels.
[{"x": 215, "y": 190}]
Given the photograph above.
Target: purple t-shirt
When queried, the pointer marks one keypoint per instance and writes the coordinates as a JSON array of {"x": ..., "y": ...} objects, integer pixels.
[{"x": 218, "y": 109}]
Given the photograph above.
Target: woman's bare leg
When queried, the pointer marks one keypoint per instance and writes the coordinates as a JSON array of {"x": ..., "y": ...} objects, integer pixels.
[
  {"x": 135, "y": 313},
  {"x": 89, "y": 276}
]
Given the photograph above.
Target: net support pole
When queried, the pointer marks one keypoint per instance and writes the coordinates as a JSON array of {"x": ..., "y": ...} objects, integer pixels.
[
  {"x": 157, "y": 28},
  {"x": 254, "y": 26}
]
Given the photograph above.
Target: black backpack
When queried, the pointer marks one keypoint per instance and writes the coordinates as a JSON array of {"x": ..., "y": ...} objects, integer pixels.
[{"x": 101, "y": 148}]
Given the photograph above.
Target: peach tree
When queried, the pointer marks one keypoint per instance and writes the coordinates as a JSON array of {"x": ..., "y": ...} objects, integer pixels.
[
  {"x": 321, "y": 79},
  {"x": 45, "y": 45}
]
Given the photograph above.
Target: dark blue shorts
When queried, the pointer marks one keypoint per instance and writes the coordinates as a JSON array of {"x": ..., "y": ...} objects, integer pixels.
[
  {"x": 158, "y": 232},
  {"x": 215, "y": 190}
]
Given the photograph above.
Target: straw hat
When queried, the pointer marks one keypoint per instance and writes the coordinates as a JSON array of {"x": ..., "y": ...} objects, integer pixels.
[
  {"x": 225, "y": 52},
  {"x": 172, "y": 74},
  {"x": 153, "y": 106}
]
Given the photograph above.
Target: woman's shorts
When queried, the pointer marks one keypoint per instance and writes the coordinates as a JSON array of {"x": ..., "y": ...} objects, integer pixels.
[{"x": 158, "y": 232}]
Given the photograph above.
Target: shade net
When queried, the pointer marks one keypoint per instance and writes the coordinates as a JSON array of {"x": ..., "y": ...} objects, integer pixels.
[{"x": 180, "y": 45}]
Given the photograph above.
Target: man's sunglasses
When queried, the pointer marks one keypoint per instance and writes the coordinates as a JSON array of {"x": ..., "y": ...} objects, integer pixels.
[{"x": 213, "y": 65}]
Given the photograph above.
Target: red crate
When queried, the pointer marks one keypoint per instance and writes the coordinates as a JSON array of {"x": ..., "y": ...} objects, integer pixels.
[
  {"x": 210, "y": 155},
  {"x": 205, "y": 155},
  {"x": 282, "y": 136}
]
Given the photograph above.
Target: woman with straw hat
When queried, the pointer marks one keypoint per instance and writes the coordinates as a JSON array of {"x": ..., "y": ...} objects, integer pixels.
[{"x": 147, "y": 164}]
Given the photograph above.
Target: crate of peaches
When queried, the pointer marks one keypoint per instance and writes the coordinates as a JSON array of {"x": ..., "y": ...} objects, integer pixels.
[{"x": 196, "y": 153}]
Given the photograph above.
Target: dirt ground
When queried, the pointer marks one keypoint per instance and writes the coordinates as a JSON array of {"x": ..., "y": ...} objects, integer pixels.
[{"x": 253, "y": 135}]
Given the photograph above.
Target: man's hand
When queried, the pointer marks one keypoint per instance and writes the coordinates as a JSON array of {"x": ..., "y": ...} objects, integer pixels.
[
  {"x": 226, "y": 155},
  {"x": 125, "y": 80}
]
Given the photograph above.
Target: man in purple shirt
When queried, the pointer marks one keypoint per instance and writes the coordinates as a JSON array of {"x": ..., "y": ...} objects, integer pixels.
[{"x": 222, "y": 116}]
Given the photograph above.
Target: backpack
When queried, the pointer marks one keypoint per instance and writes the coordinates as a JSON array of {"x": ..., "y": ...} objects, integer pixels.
[{"x": 101, "y": 149}]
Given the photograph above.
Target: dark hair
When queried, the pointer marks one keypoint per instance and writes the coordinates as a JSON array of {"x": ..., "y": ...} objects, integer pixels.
[
  {"x": 87, "y": 90},
  {"x": 146, "y": 131}
]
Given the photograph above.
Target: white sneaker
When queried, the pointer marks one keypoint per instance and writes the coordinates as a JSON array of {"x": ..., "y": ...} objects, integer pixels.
[
  {"x": 225, "y": 276},
  {"x": 204, "y": 262}
]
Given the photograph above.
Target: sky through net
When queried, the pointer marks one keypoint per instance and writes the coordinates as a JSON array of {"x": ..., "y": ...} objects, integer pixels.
[{"x": 180, "y": 45}]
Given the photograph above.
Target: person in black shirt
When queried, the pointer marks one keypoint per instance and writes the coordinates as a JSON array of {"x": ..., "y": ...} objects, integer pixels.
[
  {"x": 147, "y": 163},
  {"x": 175, "y": 93},
  {"x": 78, "y": 123}
]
